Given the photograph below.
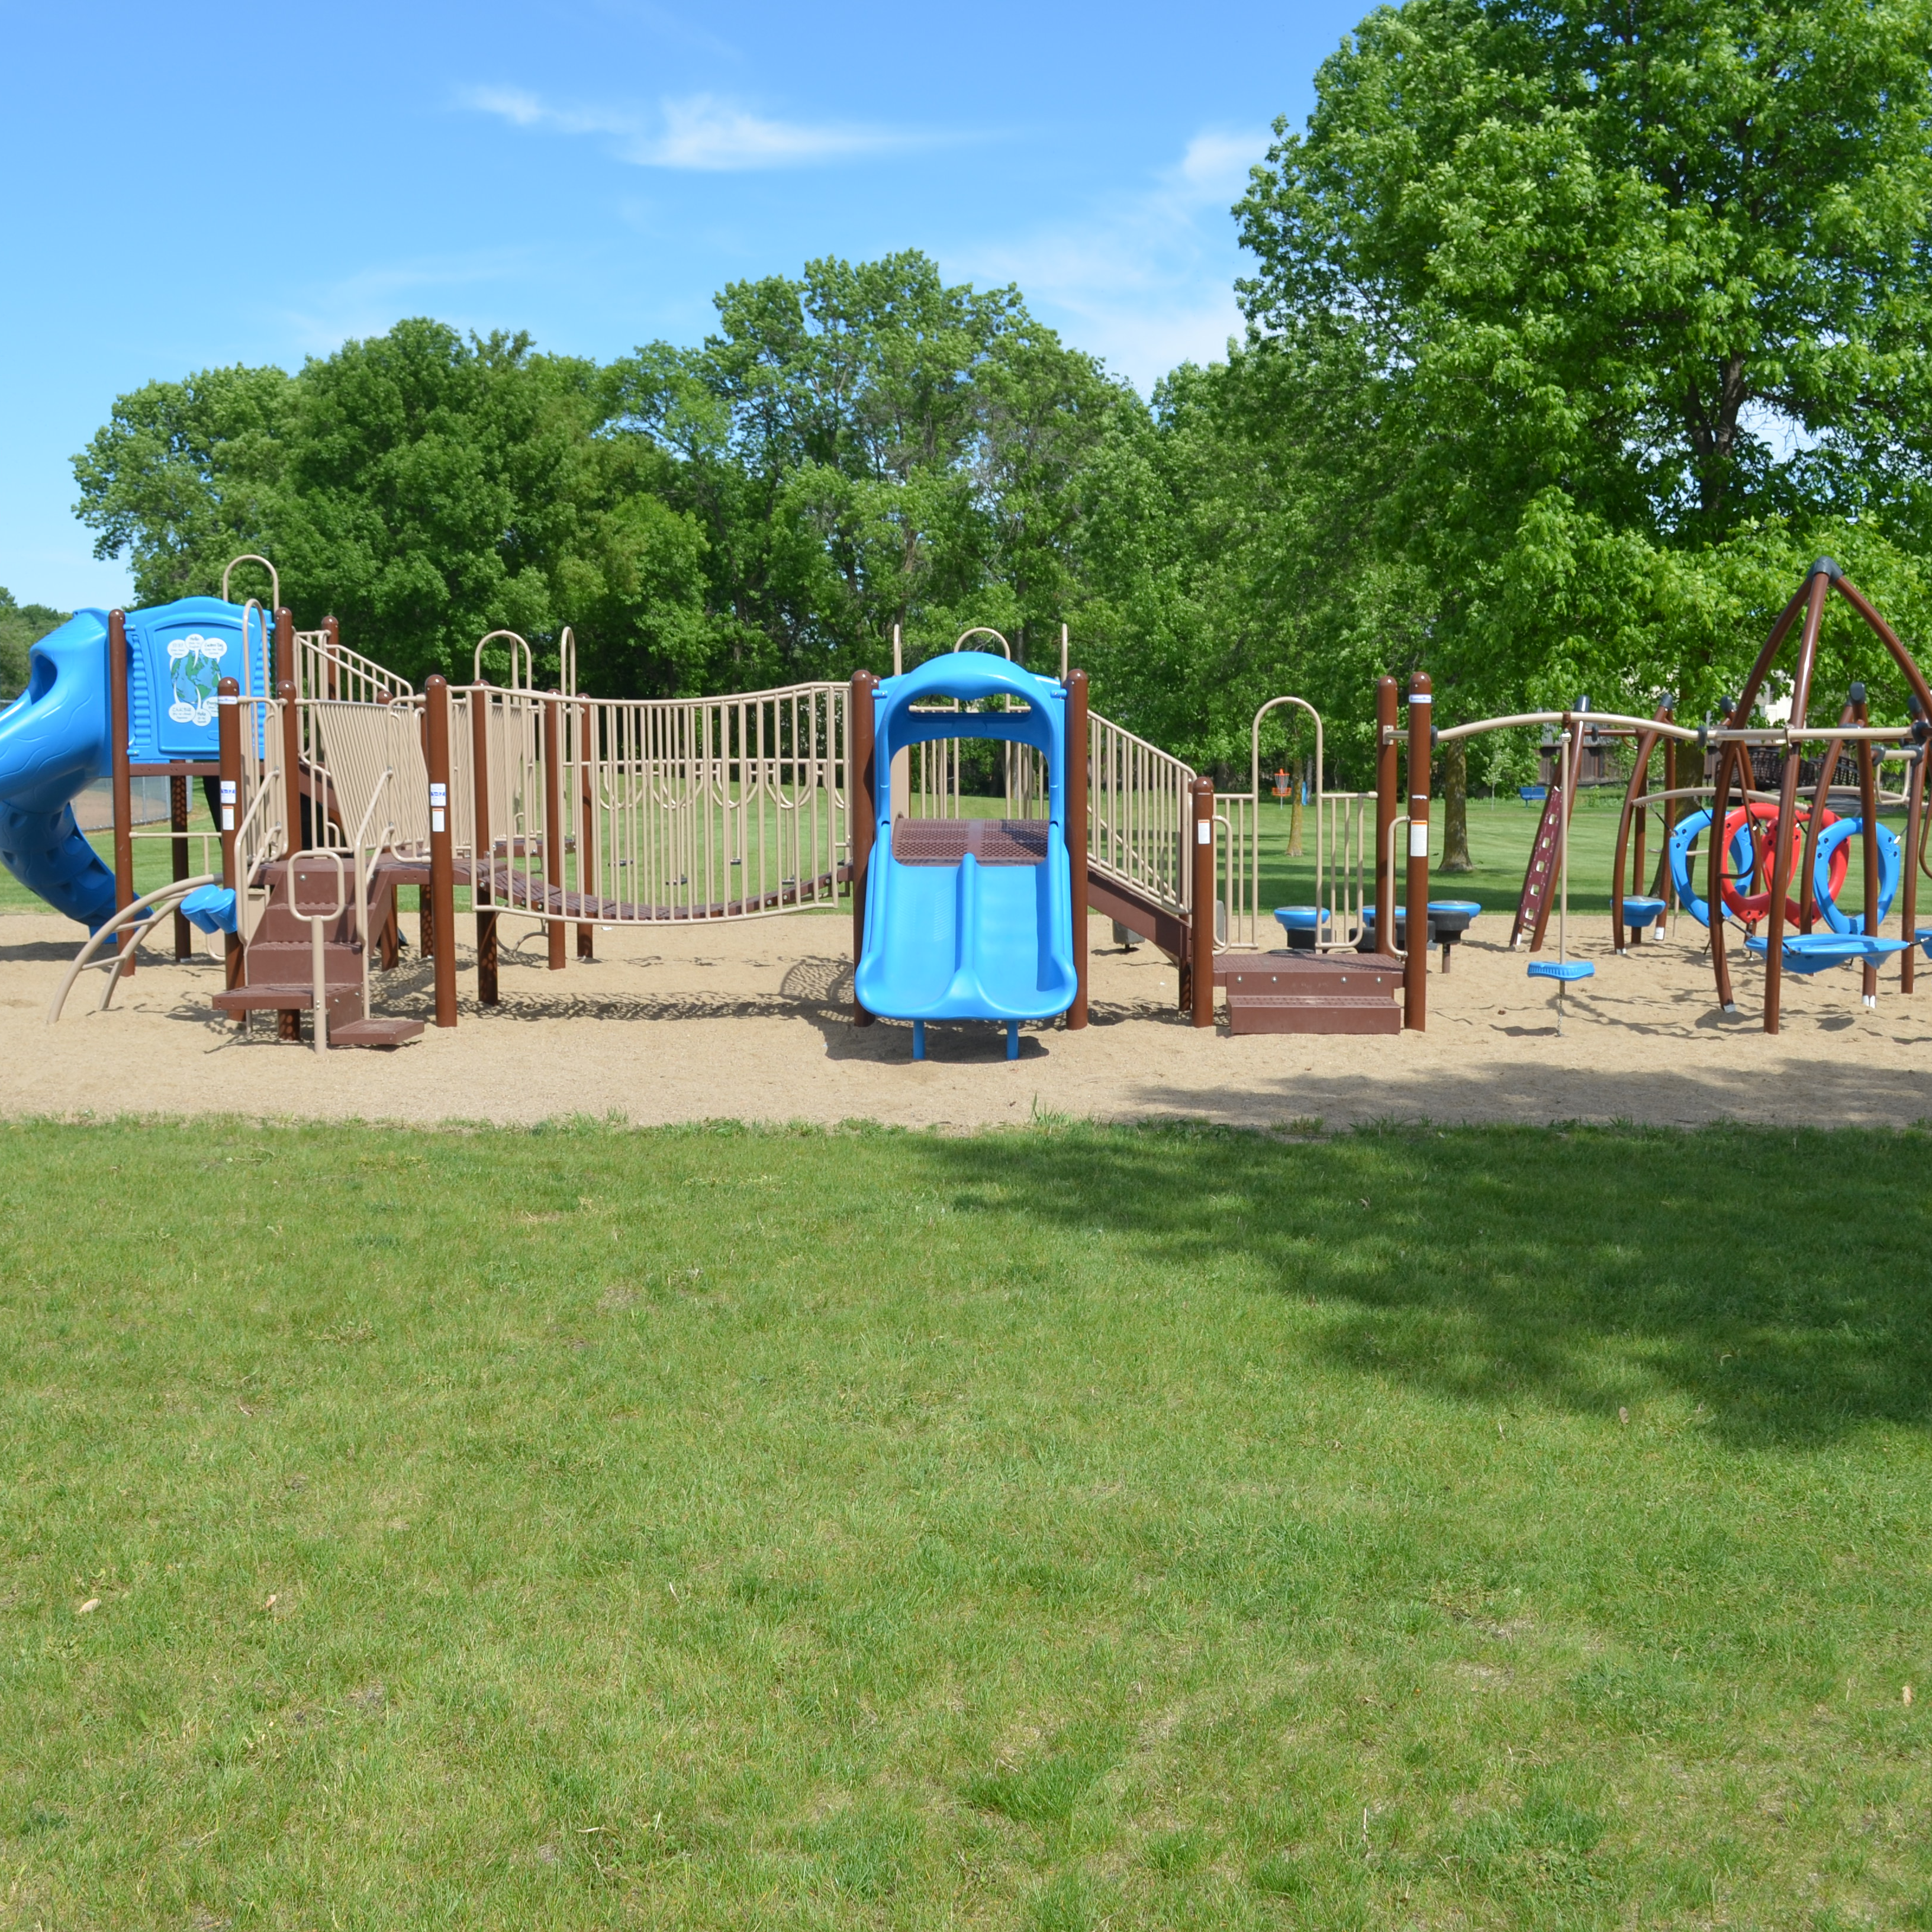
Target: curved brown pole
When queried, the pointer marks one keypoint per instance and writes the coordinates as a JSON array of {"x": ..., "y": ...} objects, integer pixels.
[
  {"x": 1714, "y": 891},
  {"x": 1787, "y": 803},
  {"x": 1868, "y": 814},
  {"x": 1908, "y": 885},
  {"x": 1903, "y": 659},
  {"x": 1807, "y": 906},
  {"x": 1720, "y": 965},
  {"x": 1634, "y": 795}
]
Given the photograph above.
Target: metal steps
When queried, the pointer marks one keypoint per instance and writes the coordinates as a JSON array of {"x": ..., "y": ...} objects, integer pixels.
[{"x": 1311, "y": 992}]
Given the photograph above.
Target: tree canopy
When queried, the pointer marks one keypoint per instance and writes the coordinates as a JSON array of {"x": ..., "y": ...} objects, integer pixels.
[
  {"x": 1574, "y": 333},
  {"x": 862, "y": 448}
]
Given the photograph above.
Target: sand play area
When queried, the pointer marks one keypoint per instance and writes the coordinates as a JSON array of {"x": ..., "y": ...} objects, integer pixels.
[{"x": 751, "y": 1021}]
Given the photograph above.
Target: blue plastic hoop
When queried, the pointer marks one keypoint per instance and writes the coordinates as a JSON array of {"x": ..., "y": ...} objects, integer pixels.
[
  {"x": 1829, "y": 840},
  {"x": 1683, "y": 835}
]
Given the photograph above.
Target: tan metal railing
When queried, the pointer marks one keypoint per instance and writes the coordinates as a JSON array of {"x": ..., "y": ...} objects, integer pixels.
[
  {"x": 327, "y": 669},
  {"x": 1138, "y": 810},
  {"x": 635, "y": 811}
]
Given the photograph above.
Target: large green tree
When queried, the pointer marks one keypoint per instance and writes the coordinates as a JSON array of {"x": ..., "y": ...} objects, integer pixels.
[
  {"x": 868, "y": 446},
  {"x": 1639, "y": 296}
]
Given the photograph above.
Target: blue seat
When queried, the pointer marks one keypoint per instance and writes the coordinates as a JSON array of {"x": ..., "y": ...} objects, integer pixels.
[
  {"x": 1565, "y": 970},
  {"x": 209, "y": 909},
  {"x": 1532, "y": 794},
  {"x": 1815, "y": 952},
  {"x": 1302, "y": 924},
  {"x": 1643, "y": 912}
]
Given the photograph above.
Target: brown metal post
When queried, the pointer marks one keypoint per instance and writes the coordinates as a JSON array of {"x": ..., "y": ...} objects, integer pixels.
[
  {"x": 483, "y": 863},
  {"x": 1908, "y": 885},
  {"x": 288, "y": 1022},
  {"x": 1076, "y": 835},
  {"x": 861, "y": 810},
  {"x": 1787, "y": 807},
  {"x": 1387, "y": 702},
  {"x": 1669, "y": 825},
  {"x": 291, "y": 780},
  {"x": 1814, "y": 827},
  {"x": 1415, "y": 970},
  {"x": 1201, "y": 911},
  {"x": 122, "y": 779},
  {"x": 228, "y": 788},
  {"x": 442, "y": 869},
  {"x": 587, "y": 852},
  {"x": 553, "y": 828},
  {"x": 285, "y": 646},
  {"x": 331, "y": 633},
  {"x": 177, "y": 823},
  {"x": 1868, "y": 839}
]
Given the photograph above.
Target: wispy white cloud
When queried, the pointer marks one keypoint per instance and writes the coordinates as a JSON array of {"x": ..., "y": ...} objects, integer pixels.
[
  {"x": 370, "y": 301},
  {"x": 700, "y": 132},
  {"x": 1147, "y": 281}
]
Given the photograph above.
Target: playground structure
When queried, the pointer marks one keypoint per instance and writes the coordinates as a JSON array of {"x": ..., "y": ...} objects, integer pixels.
[
  {"x": 1773, "y": 858},
  {"x": 336, "y": 783}
]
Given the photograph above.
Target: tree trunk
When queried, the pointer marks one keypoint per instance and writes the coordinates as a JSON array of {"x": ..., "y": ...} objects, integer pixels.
[{"x": 1456, "y": 807}]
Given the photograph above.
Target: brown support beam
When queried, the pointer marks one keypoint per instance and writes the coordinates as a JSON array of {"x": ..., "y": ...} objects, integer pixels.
[
  {"x": 177, "y": 846},
  {"x": 483, "y": 863},
  {"x": 1200, "y": 907},
  {"x": 553, "y": 825},
  {"x": 331, "y": 647},
  {"x": 288, "y": 1022},
  {"x": 285, "y": 646},
  {"x": 586, "y": 832},
  {"x": 1076, "y": 835},
  {"x": 1868, "y": 834},
  {"x": 861, "y": 810},
  {"x": 228, "y": 785},
  {"x": 122, "y": 781},
  {"x": 1908, "y": 885},
  {"x": 1787, "y": 805},
  {"x": 442, "y": 869},
  {"x": 1415, "y": 968}
]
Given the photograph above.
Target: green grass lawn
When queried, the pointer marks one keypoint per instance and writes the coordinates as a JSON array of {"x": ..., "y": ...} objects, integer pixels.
[{"x": 1060, "y": 1528}]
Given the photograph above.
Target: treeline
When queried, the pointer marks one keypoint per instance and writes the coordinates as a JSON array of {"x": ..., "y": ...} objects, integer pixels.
[
  {"x": 21, "y": 626},
  {"x": 1569, "y": 345}
]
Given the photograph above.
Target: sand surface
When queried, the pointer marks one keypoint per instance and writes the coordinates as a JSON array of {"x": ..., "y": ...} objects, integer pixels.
[{"x": 751, "y": 1021}]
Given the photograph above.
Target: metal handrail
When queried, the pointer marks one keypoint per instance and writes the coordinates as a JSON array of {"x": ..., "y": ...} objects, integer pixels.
[{"x": 174, "y": 889}]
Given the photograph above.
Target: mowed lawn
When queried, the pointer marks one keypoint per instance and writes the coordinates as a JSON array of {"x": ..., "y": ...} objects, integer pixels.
[{"x": 1064, "y": 1527}]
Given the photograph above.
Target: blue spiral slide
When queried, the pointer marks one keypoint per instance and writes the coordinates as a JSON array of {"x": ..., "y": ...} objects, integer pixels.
[{"x": 54, "y": 737}]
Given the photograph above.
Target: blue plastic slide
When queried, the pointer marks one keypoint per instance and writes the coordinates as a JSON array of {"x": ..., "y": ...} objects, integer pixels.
[
  {"x": 968, "y": 919},
  {"x": 54, "y": 737}
]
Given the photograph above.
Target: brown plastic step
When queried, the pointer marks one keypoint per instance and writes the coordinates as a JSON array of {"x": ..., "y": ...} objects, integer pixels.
[
  {"x": 1311, "y": 992},
  {"x": 374, "y": 1032},
  {"x": 284, "y": 998}
]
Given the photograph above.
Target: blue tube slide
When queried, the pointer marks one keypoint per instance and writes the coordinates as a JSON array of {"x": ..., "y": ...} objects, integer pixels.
[
  {"x": 53, "y": 741},
  {"x": 968, "y": 919}
]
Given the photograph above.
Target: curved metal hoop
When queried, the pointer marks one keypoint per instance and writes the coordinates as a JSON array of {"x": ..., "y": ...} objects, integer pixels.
[
  {"x": 985, "y": 631},
  {"x": 516, "y": 644},
  {"x": 249, "y": 557}
]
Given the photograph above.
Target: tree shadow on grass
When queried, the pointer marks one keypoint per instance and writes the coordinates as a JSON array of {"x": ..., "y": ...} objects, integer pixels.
[{"x": 1778, "y": 1279}]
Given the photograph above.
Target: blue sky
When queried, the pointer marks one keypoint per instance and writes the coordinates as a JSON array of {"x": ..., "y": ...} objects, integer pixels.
[{"x": 196, "y": 185}]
